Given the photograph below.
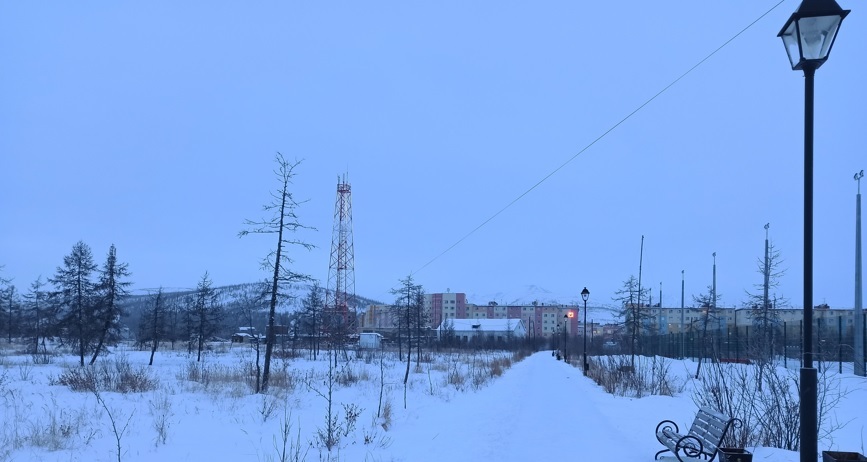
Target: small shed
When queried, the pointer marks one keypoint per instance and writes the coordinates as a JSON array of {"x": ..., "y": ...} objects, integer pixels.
[{"x": 369, "y": 340}]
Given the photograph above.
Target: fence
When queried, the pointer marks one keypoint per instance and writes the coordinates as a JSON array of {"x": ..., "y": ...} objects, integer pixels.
[{"x": 832, "y": 342}]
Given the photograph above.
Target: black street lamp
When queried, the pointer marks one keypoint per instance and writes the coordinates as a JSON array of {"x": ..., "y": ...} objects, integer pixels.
[
  {"x": 585, "y": 294},
  {"x": 559, "y": 342},
  {"x": 808, "y": 36},
  {"x": 565, "y": 340}
]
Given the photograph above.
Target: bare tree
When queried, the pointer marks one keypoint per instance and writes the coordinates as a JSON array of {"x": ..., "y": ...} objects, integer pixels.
[
  {"x": 763, "y": 302},
  {"x": 395, "y": 312},
  {"x": 37, "y": 309},
  {"x": 11, "y": 304},
  {"x": 187, "y": 314},
  {"x": 112, "y": 289},
  {"x": 312, "y": 316},
  {"x": 283, "y": 222},
  {"x": 175, "y": 318},
  {"x": 206, "y": 313},
  {"x": 708, "y": 304},
  {"x": 633, "y": 318},
  {"x": 154, "y": 323},
  {"x": 420, "y": 316},
  {"x": 75, "y": 295},
  {"x": 249, "y": 304},
  {"x": 447, "y": 333},
  {"x": 409, "y": 304}
]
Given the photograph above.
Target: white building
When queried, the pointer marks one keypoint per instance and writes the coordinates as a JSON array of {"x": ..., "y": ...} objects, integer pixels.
[
  {"x": 494, "y": 329},
  {"x": 370, "y": 340}
]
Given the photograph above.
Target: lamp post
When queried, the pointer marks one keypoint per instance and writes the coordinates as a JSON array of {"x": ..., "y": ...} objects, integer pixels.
[
  {"x": 585, "y": 294},
  {"x": 808, "y": 36},
  {"x": 565, "y": 322},
  {"x": 559, "y": 347}
]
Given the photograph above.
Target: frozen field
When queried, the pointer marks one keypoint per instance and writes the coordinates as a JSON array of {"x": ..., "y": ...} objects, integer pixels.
[{"x": 482, "y": 406}]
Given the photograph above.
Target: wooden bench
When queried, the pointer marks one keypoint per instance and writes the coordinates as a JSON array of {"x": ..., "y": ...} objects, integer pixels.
[{"x": 701, "y": 441}]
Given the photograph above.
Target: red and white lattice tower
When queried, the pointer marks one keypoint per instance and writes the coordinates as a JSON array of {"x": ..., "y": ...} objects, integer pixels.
[{"x": 340, "y": 296}]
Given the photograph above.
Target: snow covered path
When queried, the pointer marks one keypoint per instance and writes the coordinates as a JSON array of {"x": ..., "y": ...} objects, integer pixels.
[{"x": 541, "y": 409}]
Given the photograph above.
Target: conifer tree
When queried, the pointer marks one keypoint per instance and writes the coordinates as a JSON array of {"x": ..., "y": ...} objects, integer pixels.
[
  {"x": 75, "y": 294},
  {"x": 111, "y": 291}
]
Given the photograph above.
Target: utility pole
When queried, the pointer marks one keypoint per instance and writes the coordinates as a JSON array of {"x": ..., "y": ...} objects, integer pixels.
[
  {"x": 858, "y": 313},
  {"x": 767, "y": 280},
  {"x": 713, "y": 290},
  {"x": 682, "y": 315},
  {"x": 637, "y": 313}
]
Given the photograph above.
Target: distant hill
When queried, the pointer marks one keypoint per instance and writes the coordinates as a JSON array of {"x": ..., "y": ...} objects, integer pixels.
[{"x": 227, "y": 296}]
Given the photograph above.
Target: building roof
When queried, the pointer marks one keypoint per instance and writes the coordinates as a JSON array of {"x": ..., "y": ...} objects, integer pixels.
[{"x": 487, "y": 325}]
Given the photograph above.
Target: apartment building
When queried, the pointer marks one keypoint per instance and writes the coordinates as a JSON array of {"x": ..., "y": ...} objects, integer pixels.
[
  {"x": 539, "y": 319},
  {"x": 668, "y": 320}
]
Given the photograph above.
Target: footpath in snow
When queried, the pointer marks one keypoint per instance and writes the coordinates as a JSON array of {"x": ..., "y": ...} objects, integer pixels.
[{"x": 540, "y": 409}]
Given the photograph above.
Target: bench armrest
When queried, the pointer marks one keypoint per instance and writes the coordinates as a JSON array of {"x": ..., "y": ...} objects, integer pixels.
[
  {"x": 667, "y": 425},
  {"x": 688, "y": 446}
]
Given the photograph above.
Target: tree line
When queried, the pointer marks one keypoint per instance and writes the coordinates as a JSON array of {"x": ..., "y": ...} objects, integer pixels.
[{"x": 80, "y": 306}]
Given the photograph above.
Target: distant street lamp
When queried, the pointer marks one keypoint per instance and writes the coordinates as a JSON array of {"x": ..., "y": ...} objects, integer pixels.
[
  {"x": 565, "y": 321},
  {"x": 585, "y": 294},
  {"x": 808, "y": 36}
]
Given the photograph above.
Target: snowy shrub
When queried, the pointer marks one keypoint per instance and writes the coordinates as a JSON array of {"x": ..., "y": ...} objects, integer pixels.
[
  {"x": 347, "y": 375},
  {"x": 372, "y": 437},
  {"x": 42, "y": 356},
  {"x": 60, "y": 428},
  {"x": 269, "y": 403},
  {"x": 456, "y": 377},
  {"x": 732, "y": 390},
  {"x": 209, "y": 375},
  {"x": 440, "y": 366},
  {"x": 648, "y": 376},
  {"x": 161, "y": 410},
  {"x": 520, "y": 354},
  {"x": 194, "y": 372},
  {"x": 119, "y": 428},
  {"x": 24, "y": 370},
  {"x": 4, "y": 379},
  {"x": 369, "y": 356},
  {"x": 499, "y": 365},
  {"x": 117, "y": 375},
  {"x": 288, "y": 450},
  {"x": 351, "y": 412},
  {"x": 766, "y": 399},
  {"x": 283, "y": 377},
  {"x": 386, "y": 415},
  {"x": 480, "y": 378},
  {"x": 16, "y": 412}
]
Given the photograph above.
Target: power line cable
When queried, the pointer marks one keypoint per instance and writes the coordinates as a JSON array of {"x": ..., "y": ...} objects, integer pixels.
[{"x": 603, "y": 135}]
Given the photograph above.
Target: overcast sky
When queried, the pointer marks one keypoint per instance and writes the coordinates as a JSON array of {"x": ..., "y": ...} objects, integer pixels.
[{"x": 154, "y": 126}]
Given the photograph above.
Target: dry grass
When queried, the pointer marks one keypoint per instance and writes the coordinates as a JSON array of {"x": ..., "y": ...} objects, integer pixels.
[{"x": 117, "y": 375}]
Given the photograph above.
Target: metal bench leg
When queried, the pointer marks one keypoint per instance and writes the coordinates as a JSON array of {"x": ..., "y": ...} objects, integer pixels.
[{"x": 656, "y": 457}]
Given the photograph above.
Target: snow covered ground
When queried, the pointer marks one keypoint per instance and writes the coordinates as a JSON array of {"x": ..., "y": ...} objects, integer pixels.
[{"x": 458, "y": 408}]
